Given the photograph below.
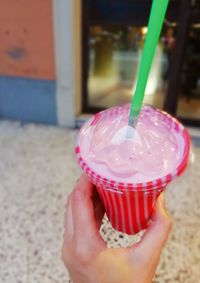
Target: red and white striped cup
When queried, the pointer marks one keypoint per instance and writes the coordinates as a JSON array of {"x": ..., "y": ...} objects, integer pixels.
[{"x": 129, "y": 206}]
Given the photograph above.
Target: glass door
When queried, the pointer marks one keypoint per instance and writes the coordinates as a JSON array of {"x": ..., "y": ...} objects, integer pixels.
[
  {"x": 113, "y": 38},
  {"x": 114, "y": 56},
  {"x": 189, "y": 98},
  {"x": 183, "y": 92}
]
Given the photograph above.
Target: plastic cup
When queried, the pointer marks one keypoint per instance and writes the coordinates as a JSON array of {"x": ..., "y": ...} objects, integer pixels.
[{"x": 129, "y": 205}]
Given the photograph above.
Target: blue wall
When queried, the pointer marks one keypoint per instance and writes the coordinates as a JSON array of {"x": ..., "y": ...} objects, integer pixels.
[{"x": 28, "y": 100}]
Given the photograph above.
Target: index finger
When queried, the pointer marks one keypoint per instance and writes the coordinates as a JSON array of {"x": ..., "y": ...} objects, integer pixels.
[{"x": 83, "y": 210}]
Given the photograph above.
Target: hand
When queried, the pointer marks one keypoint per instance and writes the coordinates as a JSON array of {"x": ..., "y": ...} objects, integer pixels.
[{"x": 86, "y": 255}]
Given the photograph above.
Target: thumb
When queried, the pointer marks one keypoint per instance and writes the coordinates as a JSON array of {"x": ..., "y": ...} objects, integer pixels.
[{"x": 158, "y": 231}]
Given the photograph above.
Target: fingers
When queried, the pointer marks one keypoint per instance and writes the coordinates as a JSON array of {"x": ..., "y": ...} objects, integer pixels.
[
  {"x": 69, "y": 230},
  {"x": 99, "y": 214},
  {"x": 69, "y": 227},
  {"x": 82, "y": 236},
  {"x": 82, "y": 239},
  {"x": 157, "y": 234},
  {"x": 99, "y": 209},
  {"x": 83, "y": 210}
]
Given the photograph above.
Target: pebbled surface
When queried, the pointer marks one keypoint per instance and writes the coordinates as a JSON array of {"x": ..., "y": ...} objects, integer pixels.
[{"x": 37, "y": 171}]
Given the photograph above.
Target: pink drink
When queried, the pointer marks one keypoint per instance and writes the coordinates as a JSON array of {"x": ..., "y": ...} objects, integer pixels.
[{"x": 130, "y": 171}]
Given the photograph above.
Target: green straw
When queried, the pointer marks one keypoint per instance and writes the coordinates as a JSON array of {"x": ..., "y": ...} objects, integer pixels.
[{"x": 156, "y": 20}]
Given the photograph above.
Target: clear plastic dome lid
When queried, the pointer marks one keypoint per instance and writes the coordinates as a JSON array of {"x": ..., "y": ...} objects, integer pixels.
[{"x": 150, "y": 151}]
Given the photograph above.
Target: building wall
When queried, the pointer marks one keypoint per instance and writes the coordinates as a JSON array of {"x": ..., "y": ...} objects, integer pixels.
[
  {"x": 27, "y": 65},
  {"x": 26, "y": 37}
]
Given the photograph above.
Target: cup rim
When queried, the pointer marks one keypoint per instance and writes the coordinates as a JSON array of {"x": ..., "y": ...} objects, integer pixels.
[{"x": 161, "y": 182}]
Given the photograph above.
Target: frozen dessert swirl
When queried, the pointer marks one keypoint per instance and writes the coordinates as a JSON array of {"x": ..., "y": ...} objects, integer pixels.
[{"x": 153, "y": 150}]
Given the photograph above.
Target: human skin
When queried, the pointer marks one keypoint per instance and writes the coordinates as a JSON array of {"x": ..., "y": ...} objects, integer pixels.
[{"x": 85, "y": 253}]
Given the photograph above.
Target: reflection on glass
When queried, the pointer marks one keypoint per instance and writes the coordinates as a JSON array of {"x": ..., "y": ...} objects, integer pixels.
[
  {"x": 189, "y": 100},
  {"x": 115, "y": 54}
]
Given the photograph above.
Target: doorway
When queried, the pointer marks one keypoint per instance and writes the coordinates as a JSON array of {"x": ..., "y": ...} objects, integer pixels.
[{"x": 113, "y": 37}]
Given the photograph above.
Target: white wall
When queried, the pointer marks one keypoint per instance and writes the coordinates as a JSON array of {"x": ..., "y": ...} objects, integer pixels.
[{"x": 67, "y": 38}]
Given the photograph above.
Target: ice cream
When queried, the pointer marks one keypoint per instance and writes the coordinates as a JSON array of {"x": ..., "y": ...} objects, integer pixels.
[{"x": 153, "y": 150}]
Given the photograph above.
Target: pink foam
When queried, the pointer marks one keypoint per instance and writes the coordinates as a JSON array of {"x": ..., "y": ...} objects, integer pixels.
[{"x": 154, "y": 151}]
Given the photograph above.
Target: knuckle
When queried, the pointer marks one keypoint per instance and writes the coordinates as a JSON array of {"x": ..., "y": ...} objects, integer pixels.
[
  {"x": 77, "y": 253},
  {"x": 82, "y": 255},
  {"x": 83, "y": 260},
  {"x": 66, "y": 256}
]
